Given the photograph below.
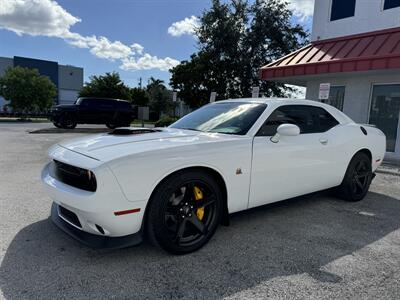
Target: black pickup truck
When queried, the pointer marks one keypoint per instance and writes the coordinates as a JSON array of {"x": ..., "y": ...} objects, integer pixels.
[{"x": 111, "y": 112}]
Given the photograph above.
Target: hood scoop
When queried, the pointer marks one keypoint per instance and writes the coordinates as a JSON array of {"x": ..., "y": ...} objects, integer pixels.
[{"x": 133, "y": 131}]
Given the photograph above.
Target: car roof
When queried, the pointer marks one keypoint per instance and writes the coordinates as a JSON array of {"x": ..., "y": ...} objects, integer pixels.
[
  {"x": 275, "y": 102},
  {"x": 101, "y": 98},
  {"x": 272, "y": 101}
]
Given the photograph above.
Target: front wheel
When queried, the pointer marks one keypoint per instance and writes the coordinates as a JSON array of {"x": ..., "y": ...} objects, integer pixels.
[
  {"x": 184, "y": 212},
  {"x": 67, "y": 123},
  {"x": 111, "y": 126},
  {"x": 357, "y": 179}
]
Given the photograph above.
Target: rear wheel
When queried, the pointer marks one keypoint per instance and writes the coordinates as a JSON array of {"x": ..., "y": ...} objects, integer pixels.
[
  {"x": 184, "y": 212},
  {"x": 357, "y": 179}
]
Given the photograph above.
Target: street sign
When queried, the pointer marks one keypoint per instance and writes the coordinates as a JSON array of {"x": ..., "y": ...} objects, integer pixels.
[
  {"x": 255, "y": 93},
  {"x": 143, "y": 113},
  {"x": 213, "y": 96},
  {"x": 324, "y": 89}
]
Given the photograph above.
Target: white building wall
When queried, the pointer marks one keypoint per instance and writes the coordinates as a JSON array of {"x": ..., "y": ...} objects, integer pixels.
[{"x": 369, "y": 16}]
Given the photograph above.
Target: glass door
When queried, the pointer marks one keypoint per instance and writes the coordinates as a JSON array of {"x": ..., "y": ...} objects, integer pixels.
[{"x": 385, "y": 110}]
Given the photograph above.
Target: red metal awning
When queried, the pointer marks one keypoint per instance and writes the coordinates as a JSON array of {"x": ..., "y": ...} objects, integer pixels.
[{"x": 378, "y": 50}]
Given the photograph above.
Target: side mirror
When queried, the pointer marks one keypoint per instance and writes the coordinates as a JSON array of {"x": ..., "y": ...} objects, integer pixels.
[{"x": 285, "y": 130}]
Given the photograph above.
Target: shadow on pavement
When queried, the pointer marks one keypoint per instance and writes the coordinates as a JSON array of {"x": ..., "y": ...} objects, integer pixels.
[{"x": 292, "y": 237}]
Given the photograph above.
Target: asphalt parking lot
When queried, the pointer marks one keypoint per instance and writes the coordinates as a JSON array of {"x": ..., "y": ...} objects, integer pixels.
[{"x": 309, "y": 247}]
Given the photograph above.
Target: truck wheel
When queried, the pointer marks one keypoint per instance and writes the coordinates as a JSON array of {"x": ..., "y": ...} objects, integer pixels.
[
  {"x": 68, "y": 123},
  {"x": 58, "y": 125},
  {"x": 111, "y": 126}
]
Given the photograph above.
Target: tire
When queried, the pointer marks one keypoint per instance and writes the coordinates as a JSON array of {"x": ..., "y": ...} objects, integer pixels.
[
  {"x": 111, "y": 126},
  {"x": 184, "y": 212},
  {"x": 358, "y": 177},
  {"x": 58, "y": 125},
  {"x": 67, "y": 123}
]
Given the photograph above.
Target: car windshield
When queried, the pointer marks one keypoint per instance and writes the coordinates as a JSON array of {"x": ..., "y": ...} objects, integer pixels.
[
  {"x": 79, "y": 101},
  {"x": 225, "y": 117}
]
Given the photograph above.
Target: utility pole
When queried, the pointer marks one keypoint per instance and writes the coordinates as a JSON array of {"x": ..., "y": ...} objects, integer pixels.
[{"x": 140, "y": 82}]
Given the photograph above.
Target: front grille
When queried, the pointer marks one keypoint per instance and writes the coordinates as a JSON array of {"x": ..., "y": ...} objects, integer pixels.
[
  {"x": 69, "y": 216},
  {"x": 77, "y": 177}
]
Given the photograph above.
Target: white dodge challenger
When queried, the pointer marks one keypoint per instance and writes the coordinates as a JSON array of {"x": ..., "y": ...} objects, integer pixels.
[{"x": 177, "y": 184}]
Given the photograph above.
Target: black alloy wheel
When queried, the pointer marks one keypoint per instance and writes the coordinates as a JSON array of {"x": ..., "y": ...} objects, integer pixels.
[
  {"x": 185, "y": 212},
  {"x": 358, "y": 178}
]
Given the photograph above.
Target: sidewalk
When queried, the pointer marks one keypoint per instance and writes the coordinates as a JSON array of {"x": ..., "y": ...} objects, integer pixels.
[{"x": 391, "y": 167}]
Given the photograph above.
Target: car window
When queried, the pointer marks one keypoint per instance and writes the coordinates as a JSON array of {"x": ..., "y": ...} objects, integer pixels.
[
  {"x": 124, "y": 105},
  {"x": 224, "y": 117},
  {"x": 310, "y": 119},
  {"x": 106, "y": 104}
]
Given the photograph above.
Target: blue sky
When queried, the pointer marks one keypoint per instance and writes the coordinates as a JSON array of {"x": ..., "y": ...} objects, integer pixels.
[{"x": 137, "y": 38}]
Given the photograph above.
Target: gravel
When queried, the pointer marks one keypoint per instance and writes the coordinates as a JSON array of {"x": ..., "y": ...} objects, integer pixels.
[{"x": 314, "y": 247}]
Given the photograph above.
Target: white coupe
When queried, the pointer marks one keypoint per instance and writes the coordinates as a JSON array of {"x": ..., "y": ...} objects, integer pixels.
[{"x": 177, "y": 184}]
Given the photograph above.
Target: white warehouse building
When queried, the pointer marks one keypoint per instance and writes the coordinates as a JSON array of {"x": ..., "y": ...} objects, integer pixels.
[{"x": 355, "y": 54}]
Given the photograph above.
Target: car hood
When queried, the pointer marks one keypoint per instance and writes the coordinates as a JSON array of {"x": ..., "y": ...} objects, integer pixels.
[{"x": 109, "y": 146}]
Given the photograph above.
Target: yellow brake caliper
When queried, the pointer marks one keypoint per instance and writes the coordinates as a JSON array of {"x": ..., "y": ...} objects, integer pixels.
[{"x": 198, "y": 195}]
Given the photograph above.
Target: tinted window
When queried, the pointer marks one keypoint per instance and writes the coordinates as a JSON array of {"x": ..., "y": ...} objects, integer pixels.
[
  {"x": 124, "y": 105},
  {"x": 391, "y": 4},
  {"x": 342, "y": 9},
  {"x": 224, "y": 117},
  {"x": 310, "y": 119}
]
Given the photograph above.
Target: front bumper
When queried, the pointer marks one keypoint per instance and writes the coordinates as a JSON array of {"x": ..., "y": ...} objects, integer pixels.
[
  {"x": 93, "y": 240},
  {"x": 105, "y": 213}
]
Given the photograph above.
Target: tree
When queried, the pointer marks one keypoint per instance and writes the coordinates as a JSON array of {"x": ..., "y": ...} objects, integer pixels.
[
  {"x": 235, "y": 39},
  {"x": 160, "y": 96},
  {"x": 109, "y": 85},
  {"x": 27, "y": 90},
  {"x": 139, "y": 96}
]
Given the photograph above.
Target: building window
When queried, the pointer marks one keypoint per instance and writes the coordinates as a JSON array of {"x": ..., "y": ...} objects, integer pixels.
[
  {"x": 336, "y": 97},
  {"x": 391, "y": 4},
  {"x": 385, "y": 109},
  {"x": 342, "y": 9}
]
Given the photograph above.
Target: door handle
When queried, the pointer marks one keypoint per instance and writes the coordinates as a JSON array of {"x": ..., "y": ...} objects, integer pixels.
[{"x": 323, "y": 141}]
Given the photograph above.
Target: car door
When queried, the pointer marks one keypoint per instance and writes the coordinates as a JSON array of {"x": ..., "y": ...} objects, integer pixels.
[
  {"x": 106, "y": 110},
  {"x": 295, "y": 165},
  {"x": 85, "y": 111}
]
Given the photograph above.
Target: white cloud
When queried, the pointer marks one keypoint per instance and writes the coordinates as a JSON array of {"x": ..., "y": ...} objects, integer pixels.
[
  {"x": 147, "y": 62},
  {"x": 303, "y": 9},
  {"x": 36, "y": 17},
  {"x": 48, "y": 18},
  {"x": 137, "y": 48},
  {"x": 101, "y": 46},
  {"x": 186, "y": 26}
]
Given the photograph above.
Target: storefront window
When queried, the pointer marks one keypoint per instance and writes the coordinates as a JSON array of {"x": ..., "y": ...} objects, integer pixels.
[
  {"x": 336, "y": 97},
  {"x": 385, "y": 110}
]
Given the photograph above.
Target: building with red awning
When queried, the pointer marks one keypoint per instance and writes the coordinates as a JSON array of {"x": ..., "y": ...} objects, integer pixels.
[{"x": 352, "y": 63}]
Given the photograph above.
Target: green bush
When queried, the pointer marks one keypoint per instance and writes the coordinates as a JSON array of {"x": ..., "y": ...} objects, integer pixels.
[{"x": 165, "y": 121}]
